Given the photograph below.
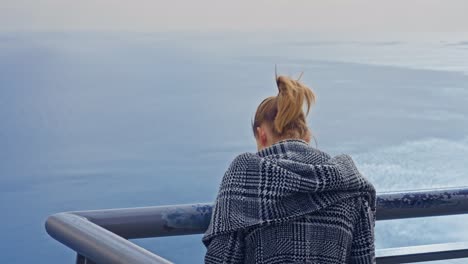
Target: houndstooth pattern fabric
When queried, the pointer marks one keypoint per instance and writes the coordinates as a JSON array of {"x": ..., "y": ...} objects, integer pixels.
[{"x": 292, "y": 203}]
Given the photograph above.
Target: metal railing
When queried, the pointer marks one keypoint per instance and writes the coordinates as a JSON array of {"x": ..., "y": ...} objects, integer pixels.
[{"x": 100, "y": 236}]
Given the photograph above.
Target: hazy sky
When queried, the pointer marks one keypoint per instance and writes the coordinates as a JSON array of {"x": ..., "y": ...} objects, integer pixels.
[{"x": 239, "y": 15}]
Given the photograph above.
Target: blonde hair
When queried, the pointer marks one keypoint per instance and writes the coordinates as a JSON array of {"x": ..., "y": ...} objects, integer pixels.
[{"x": 284, "y": 112}]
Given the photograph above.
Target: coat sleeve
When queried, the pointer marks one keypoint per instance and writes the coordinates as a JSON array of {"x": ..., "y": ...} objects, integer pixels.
[
  {"x": 226, "y": 249},
  {"x": 363, "y": 246}
]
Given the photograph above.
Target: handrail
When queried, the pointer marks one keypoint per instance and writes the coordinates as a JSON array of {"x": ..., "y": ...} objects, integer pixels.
[
  {"x": 97, "y": 243},
  {"x": 99, "y": 234},
  {"x": 422, "y": 203},
  {"x": 154, "y": 221},
  {"x": 423, "y": 253}
]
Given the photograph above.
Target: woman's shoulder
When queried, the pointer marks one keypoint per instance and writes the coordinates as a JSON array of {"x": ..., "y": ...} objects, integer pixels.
[
  {"x": 324, "y": 156},
  {"x": 243, "y": 160},
  {"x": 242, "y": 164}
]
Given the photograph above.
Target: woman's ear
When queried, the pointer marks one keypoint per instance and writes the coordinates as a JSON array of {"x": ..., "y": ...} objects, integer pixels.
[
  {"x": 262, "y": 137},
  {"x": 308, "y": 136}
]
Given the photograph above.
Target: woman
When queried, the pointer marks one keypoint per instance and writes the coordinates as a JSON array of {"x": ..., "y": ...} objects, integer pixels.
[{"x": 290, "y": 202}]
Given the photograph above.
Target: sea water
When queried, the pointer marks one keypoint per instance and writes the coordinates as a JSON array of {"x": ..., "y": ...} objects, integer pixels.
[{"x": 114, "y": 119}]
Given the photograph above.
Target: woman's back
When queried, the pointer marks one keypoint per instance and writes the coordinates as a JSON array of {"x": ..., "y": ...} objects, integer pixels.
[
  {"x": 292, "y": 203},
  {"x": 322, "y": 237}
]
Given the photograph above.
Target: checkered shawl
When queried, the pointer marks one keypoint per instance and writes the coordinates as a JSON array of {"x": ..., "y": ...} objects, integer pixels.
[{"x": 292, "y": 186}]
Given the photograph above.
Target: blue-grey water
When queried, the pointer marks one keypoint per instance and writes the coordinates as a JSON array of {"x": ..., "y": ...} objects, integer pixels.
[{"x": 108, "y": 120}]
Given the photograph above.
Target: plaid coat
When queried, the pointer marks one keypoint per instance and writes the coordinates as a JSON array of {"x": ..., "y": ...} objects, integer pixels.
[{"x": 291, "y": 203}]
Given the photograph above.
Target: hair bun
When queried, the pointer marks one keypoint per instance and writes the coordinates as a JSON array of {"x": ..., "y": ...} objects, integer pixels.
[{"x": 282, "y": 82}]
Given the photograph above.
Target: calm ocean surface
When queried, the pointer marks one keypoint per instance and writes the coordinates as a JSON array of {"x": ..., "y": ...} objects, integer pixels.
[{"x": 108, "y": 120}]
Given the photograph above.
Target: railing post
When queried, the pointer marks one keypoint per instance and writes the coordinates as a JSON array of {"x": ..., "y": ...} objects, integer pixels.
[{"x": 83, "y": 260}]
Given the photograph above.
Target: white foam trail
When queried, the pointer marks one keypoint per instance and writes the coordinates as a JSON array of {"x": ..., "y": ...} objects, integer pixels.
[{"x": 427, "y": 163}]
